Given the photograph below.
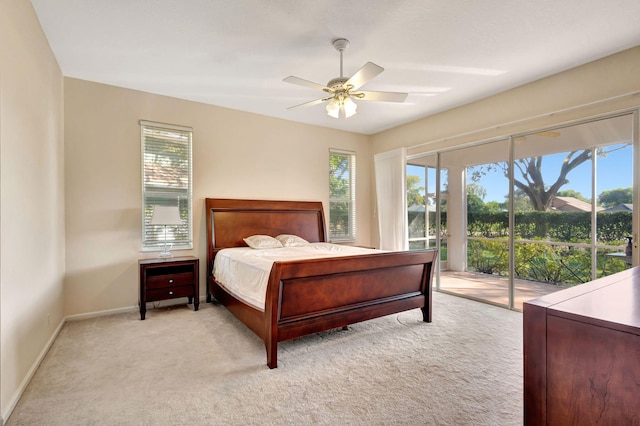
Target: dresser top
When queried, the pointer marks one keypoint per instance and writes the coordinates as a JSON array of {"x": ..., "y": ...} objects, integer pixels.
[{"x": 612, "y": 302}]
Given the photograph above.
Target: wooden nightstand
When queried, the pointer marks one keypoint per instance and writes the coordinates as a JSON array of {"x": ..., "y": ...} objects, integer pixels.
[{"x": 168, "y": 278}]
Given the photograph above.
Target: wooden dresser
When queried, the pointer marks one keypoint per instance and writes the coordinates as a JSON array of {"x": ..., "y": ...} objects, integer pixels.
[{"x": 582, "y": 354}]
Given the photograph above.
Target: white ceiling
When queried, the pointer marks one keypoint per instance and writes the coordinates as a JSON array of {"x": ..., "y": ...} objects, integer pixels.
[{"x": 235, "y": 53}]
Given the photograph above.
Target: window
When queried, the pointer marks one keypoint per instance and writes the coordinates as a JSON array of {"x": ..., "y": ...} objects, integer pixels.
[
  {"x": 342, "y": 196},
  {"x": 166, "y": 181}
]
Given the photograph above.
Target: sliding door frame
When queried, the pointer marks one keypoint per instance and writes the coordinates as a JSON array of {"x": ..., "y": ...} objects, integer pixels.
[{"x": 635, "y": 140}]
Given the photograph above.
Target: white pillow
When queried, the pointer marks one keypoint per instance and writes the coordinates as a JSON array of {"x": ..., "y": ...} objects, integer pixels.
[
  {"x": 288, "y": 240},
  {"x": 262, "y": 242}
]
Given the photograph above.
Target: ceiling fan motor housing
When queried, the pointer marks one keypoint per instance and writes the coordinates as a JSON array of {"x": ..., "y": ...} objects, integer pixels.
[{"x": 336, "y": 83}]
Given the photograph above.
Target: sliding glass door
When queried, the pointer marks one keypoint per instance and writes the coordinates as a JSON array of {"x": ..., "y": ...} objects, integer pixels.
[
  {"x": 427, "y": 218},
  {"x": 532, "y": 213},
  {"x": 479, "y": 268},
  {"x": 573, "y": 186}
]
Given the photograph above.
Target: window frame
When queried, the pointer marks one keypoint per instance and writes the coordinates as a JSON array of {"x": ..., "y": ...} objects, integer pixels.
[
  {"x": 152, "y": 237},
  {"x": 350, "y": 199}
]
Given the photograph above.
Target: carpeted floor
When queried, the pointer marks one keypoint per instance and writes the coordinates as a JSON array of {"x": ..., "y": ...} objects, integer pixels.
[{"x": 180, "y": 367}]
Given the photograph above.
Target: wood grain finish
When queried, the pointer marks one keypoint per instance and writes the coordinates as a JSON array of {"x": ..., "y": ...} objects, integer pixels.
[
  {"x": 582, "y": 354},
  {"x": 168, "y": 278},
  {"x": 309, "y": 296}
]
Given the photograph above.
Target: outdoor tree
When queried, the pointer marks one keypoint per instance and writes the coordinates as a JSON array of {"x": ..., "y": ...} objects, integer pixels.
[
  {"x": 529, "y": 179},
  {"x": 415, "y": 191},
  {"x": 415, "y": 197},
  {"x": 613, "y": 197},
  {"x": 521, "y": 202},
  {"x": 477, "y": 189},
  {"x": 475, "y": 204},
  {"x": 495, "y": 206},
  {"x": 475, "y": 198},
  {"x": 339, "y": 188}
]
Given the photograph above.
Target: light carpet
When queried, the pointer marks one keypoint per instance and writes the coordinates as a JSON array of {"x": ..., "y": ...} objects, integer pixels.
[{"x": 180, "y": 367}]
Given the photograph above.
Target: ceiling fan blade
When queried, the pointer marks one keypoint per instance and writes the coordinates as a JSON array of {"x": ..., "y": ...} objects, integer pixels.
[
  {"x": 310, "y": 103},
  {"x": 364, "y": 74},
  {"x": 383, "y": 96},
  {"x": 306, "y": 83}
]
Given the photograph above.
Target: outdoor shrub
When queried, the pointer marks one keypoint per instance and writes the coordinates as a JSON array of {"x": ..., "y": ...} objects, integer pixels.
[
  {"x": 552, "y": 264},
  {"x": 488, "y": 257}
]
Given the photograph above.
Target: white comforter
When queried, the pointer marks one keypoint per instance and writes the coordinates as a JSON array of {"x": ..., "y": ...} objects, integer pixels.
[{"x": 245, "y": 271}]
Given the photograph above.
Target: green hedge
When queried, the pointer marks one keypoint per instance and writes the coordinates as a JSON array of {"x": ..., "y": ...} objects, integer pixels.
[
  {"x": 613, "y": 227},
  {"x": 575, "y": 227}
]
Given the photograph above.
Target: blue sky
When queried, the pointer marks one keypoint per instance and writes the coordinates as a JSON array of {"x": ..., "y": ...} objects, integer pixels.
[{"x": 614, "y": 171}]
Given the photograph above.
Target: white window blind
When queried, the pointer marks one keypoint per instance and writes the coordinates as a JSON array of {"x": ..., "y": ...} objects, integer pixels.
[
  {"x": 166, "y": 181},
  {"x": 342, "y": 196}
]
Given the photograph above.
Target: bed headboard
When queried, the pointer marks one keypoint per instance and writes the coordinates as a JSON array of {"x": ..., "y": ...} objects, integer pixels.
[{"x": 231, "y": 220}]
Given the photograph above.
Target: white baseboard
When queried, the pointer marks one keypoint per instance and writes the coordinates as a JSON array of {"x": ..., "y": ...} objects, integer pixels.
[
  {"x": 150, "y": 306},
  {"x": 25, "y": 382},
  {"x": 96, "y": 314}
]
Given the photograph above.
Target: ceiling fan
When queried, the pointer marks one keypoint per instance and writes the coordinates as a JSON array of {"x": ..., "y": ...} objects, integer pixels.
[{"x": 342, "y": 90}]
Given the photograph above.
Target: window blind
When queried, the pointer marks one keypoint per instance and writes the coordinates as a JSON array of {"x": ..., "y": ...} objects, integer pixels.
[
  {"x": 342, "y": 196},
  {"x": 166, "y": 181}
]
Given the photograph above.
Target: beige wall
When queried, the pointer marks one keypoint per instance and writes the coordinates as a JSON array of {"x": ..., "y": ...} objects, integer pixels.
[
  {"x": 599, "y": 87},
  {"x": 235, "y": 155},
  {"x": 31, "y": 197}
]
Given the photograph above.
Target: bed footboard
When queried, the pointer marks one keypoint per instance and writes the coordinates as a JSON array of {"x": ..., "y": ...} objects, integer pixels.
[{"x": 305, "y": 297}]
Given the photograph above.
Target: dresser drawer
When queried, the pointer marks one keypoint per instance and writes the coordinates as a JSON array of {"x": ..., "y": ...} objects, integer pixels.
[
  {"x": 169, "y": 293},
  {"x": 170, "y": 280}
]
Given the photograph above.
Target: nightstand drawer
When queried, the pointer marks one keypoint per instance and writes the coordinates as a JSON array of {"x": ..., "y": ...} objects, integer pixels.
[
  {"x": 169, "y": 293},
  {"x": 171, "y": 280}
]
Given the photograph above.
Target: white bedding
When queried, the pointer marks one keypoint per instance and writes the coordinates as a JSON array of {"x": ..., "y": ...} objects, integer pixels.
[{"x": 245, "y": 271}]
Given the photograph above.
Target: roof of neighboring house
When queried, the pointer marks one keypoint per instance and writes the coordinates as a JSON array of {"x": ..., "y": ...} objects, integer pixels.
[
  {"x": 620, "y": 208},
  {"x": 571, "y": 204}
]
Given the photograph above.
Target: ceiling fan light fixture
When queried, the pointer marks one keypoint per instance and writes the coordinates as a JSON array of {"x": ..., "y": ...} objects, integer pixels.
[
  {"x": 349, "y": 107},
  {"x": 341, "y": 105},
  {"x": 333, "y": 108}
]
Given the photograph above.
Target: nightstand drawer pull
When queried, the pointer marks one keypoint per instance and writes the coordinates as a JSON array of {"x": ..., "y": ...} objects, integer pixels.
[
  {"x": 170, "y": 292},
  {"x": 171, "y": 281}
]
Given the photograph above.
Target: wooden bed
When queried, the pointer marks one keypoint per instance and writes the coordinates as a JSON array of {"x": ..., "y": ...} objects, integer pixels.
[{"x": 305, "y": 297}]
